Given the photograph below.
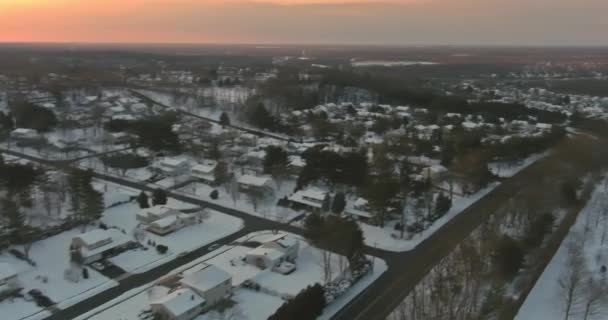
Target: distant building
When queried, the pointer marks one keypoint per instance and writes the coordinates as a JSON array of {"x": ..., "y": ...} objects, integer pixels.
[
  {"x": 174, "y": 167},
  {"x": 99, "y": 244},
  {"x": 25, "y": 134},
  {"x": 248, "y": 183},
  {"x": 205, "y": 171}
]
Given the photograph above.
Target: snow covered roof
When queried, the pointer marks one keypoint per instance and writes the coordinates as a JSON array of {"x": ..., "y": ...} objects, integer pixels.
[
  {"x": 165, "y": 222},
  {"x": 206, "y": 167},
  {"x": 360, "y": 202},
  {"x": 24, "y": 131},
  {"x": 94, "y": 236},
  {"x": 180, "y": 302},
  {"x": 173, "y": 162},
  {"x": 271, "y": 253},
  {"x": 205, "y": 277},
  {"x": 6, "y": 271},
  {"x": 253, "y": 180}
]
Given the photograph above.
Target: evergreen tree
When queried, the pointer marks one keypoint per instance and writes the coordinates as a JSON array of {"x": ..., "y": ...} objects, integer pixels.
[
  {"x": 93, "y": 204},
  {"x": 159, "y": 197},
  {"x": 224, "y": 119},
  {"x": 339, "y": 203},
  {"x": 306, "y": 305},
  {"x": 326, "y": 205},
  {"x": 442, "y": 206},
  {"x": 221, "y": 173},
  {"x": 143, "y": 200}
]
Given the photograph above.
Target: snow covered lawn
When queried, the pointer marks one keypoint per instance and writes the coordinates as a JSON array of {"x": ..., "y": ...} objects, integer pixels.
[
  {"x": 387, "y": 238},
  {"x": 215, "y": 226},
  {"x": 52, "y": 258},
  {"x": 545, "y": 301}
]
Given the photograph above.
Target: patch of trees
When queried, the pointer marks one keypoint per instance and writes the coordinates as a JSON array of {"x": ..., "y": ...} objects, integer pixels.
[
  {"x": 336, "y": 233},
  {"x": 28, "y": 115},
  {"x": 124, "y": 161},
  {"x": 350, "y": 168},
  {"x": 87, "y": 203},
  {"x": 155, "y": 133},
  {"x": 306, "y": 305}
]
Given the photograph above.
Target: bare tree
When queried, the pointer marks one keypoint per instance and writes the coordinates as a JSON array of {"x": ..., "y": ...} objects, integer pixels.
[
  {"x": 595, "y": 299},
  {"x": 572, "y": 279},
  {"x": 326, "y": 264}
]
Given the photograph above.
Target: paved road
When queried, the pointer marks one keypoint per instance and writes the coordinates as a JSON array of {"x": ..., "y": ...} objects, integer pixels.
[{"x": 405, "y": 269}]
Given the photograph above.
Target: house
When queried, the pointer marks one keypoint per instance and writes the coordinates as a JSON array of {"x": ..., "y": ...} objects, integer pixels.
[
  {"x": 208, "y": 281},
  {"x": 248, "y": 183},
  {"x": 173, "y": 166},
  {"x": 205, "y": 171},
  {"x": 359, "y": 210},
  {"x": 310, "y": 197},
  {"x": 181, "y": 304},
  {"x": 171, "y": 223},
  {"x": 25, "y": 134},
  {"x": 99, "y": 244},
  {"x": 149, "y": 215},
  {"x": 9, "y": 283},
  {"x": 274, "y": 252}
]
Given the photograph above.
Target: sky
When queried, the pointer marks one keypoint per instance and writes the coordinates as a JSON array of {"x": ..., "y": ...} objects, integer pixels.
[{"x": 373, "y": 22}]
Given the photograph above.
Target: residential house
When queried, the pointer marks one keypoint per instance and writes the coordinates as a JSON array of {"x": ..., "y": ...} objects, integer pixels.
[
  {"x": 310, "y": 197},
  {"x": 171, "y": 223},
  {"x": 181, "y": 304},
  {"x": 208, "y": 281},
  {"x": 359, "y": 210},
  {"x": 99, "y": 244},
  {"x": 174, "y": 166},
  {"x": 275, "y": 253},
  {"x": 205, "y": 171},
  {"x": 149, "y": 215},
  {"x": 249, "y": 183},
  {"x": 25, "y": 134}
]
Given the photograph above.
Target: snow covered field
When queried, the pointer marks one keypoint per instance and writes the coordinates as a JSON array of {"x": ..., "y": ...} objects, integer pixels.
[
  {"x": 545, "y": 301},
  {"x": 249, "y": 304},
  {"x": 388, "y": 238}
]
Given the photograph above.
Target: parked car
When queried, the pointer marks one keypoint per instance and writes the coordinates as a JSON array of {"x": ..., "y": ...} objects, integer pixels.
[{"x": 214, "y": 246}]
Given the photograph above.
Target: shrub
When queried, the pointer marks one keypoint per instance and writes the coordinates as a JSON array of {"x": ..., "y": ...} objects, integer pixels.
[
  {"x": 162, "y": 249},
  {"x": 214, "y": 194}
]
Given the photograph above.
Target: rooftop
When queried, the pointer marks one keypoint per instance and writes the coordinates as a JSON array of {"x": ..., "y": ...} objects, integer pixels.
[
  {"x": 180, "y": 301},
  {"x": 205, "y": 277}
]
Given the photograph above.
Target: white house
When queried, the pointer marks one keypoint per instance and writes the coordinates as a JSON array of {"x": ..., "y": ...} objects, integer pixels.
[
  {"x": 174, "y": 166},
  {"x": 8, "y": 279},
  {"x": 273, "y": 252},
  {"x": 249, "y": 183},
  {"x": 208, "y": 281},
  {"x": 181, "y": 304},
  {"x": 205, "y": 171},
  {"x": 310, "y": 197},
  {"x": 359, "y": 209},
  {"x": 24, "y": 134},
  {"x": 149, "y": 215},
  {"x": 171, "y": 223},
  {"x": 98, "y": 244}
]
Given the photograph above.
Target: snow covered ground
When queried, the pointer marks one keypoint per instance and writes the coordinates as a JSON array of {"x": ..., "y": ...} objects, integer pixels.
[
  {"x": 249, "y": 304},
  {"x": 215, "y": 226},
  {"x": 388, "y": 238},
  {"x": 544, "y": 301},
  {"x": 52, "y": 258}
]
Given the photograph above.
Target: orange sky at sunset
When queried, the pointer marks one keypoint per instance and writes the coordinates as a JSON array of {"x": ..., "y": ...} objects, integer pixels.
[{"x": 307, "y": 21}]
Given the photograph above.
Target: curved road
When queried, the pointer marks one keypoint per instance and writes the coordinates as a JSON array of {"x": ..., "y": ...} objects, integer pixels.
[{"x": 405, "y": 269}]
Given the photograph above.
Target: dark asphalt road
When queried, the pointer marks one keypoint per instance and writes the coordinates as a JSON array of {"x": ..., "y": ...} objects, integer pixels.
[{"x": 405, "y": 269}]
